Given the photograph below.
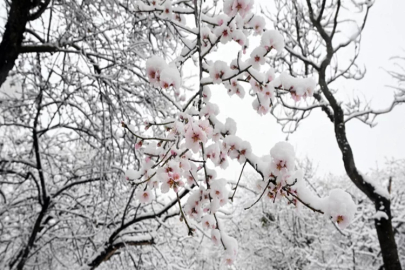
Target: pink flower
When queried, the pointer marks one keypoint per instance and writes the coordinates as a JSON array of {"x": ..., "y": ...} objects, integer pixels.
[
  {"x": 261, "y": 106},
  {"x": 257, "y": 23},
  {"x": 244, "y": 150},
  {"x": 194, "y": 210},
  {"x": 232, "y": 7},
  {"x": 154, "y": 67},
  {"x": 219, "y": 71},
  {"x": 239, "y": 37},
  {"x": 240, "y": 92},
  {"x": 256, "y": 86},
  {"x": 212, "y": 152},
  {"x": 145, "y": 196},
  {"x": 215, "y": 236},
  {"x": 340, "y": 207},
  {"x": 190, "y": 176},
  {"x": 222, "y": 19},
  {"x": 219, "y": 190},
  {"x": 225, "y": 32},
  {"x": 206, "y": 94},
  {"x": 170, "y": 76},
  {"x": 229, "y": 259},
  {"x": 257, "y": 57},
  {"x": 209, "y": 109},
  {"x": 283, "y": 158},
  {"x": 272, "y": 39},
  {"x": 194, "y": 135},
  {"x": 138, "y": 145},
  {"x": 172, "y": 180},
  {"x": 208, "y": 222},
  {"x": 206, "y": 127},
  {"x": 270, "y": 75},
  {"x": 268, "y": 91},
  {"x": 167, "y": 9},
  {"x": 309, "y": 85},
  {"x": 295, "y": 96}
]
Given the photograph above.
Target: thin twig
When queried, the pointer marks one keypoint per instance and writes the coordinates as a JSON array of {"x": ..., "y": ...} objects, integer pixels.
[
  {"x": 240, "y": 176},
  {"x": 268, "y": 183},
  {"x": 190, "y": 230}
]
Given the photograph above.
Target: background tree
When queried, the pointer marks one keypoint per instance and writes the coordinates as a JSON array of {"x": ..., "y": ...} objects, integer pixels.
[
  {"x": 317, "y": 45},
  {"x": 79, "y": 74}
]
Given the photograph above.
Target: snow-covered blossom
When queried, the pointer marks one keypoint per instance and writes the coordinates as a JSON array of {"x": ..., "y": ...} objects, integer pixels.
[
  {"x": 257, "y": 23},
  {"x": 170, "y": 76},
  {"x": 219, "y": 71},
  {"x": 232, "y": 7},
  {"x": 257, "y": 57},
  {"x": 298, "y": 87},
  {"x": 225, "y": 32},
  {"x": 206, "y": 94},
  {"x": 194, "y": 136},
  {"x": 270, "y": 75},
  {"x": 145, "y": 196},
  {"x": 239, "y": 37},
  {"x": 261, "y": 105},
  {"x": 215, "y": 236},
  {"x": 230, "y": 126},
  {"x": 340, "y": 207},
  {"x": 208, "y": 222},
  {"x": 138, "y": 145},
  {"x": 154, "y": 66},
  {"x": 268, "y": 91},
  {"x": 162, "y": 75},
  {"x": 212, "y": 152},
  {"x": 222, "y": 19},
  {"x": 272, "y": 39},
  {"x": 283, "y": 158},
  {"x": 209, "y": 109},
  {"x": 167, "y": 9},
  {"x": 231, "y": 246},
  {"x": 207, "y": 36},
  {"x": 219, "y": 189}
]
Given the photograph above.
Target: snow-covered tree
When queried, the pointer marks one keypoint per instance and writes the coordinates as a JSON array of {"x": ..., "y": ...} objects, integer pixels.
[
  {"x": 318, "y": 43},
  {"x": 79, "y": 73},
  {"x": 104, "y": 88}
]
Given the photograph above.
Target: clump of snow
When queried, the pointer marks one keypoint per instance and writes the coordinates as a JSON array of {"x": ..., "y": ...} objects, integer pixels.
[
  {"x": 233, "y": 7},
  {"x": 283, "y": 158},
  {"x": 340, "y": 207},
  {"x": 160, "y": 74},
  {"x": 378, "y": 189},
  {"x": 272, "y": 39},
  {"x": 132, "y": 174},
  {"x": 218, "y": 71},
  {"x": 380, "y": 214}
]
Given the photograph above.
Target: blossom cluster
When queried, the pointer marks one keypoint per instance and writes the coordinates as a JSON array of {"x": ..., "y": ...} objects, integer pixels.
[
  {"x": 161, "y": 74},
  {"x": 195, "y": 142}
]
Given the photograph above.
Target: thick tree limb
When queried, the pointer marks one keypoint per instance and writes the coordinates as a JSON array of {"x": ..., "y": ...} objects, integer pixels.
[{"x": 13, "y": 36}]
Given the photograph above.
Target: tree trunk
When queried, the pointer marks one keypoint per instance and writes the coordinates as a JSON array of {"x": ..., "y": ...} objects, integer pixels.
[
  {"x": 386, "y": 236},
  {"x": 13, "y": 36},
  {"x": 383, "y": 226}
]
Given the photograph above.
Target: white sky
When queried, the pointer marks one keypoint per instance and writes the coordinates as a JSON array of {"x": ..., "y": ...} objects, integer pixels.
[{"x": 382, "y": 39}]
